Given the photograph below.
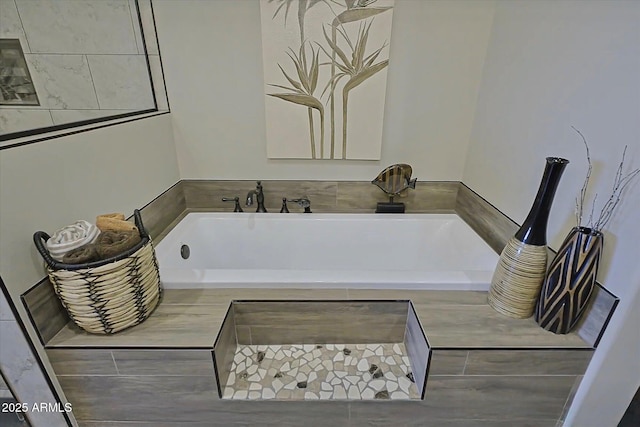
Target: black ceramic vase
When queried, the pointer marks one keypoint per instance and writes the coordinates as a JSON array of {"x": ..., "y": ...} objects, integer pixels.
[
  {"x": 570, "y": 281},
  {"x": 518, "y": 277}
]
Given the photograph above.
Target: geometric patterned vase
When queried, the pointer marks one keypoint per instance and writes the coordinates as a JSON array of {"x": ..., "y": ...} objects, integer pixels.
[{"x": 570, "y": 281}]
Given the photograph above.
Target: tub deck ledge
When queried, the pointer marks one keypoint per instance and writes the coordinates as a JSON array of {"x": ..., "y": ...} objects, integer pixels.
[{"x": 191, "y": 318}]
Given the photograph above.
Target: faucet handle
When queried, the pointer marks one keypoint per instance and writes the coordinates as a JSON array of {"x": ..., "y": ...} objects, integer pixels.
[
  {"x": 236, "y": 199},
  {"x": 284, "y": 208},
  {"x": 303, "y": 202}
]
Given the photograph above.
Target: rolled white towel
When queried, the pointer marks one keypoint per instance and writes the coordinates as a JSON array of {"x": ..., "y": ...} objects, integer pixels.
[{"x": 70, "y": 237}]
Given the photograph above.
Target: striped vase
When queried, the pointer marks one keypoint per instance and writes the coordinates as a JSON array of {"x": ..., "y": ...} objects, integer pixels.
[
  {"x": 570, "y": 281},
  {"x": 518, "y": 277}
]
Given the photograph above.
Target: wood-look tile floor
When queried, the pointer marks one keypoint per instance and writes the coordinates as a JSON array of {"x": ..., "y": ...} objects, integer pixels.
[{"x": 327, "y": 371}]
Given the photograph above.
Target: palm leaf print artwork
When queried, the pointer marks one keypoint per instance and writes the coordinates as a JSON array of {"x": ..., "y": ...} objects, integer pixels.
[
  {"x": 325, "y": 67},
  {"x": 301, "y": 91}
]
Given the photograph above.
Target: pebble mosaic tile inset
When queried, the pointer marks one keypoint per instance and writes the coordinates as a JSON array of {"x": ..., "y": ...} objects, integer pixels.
[{"x": 323, "y": 371}]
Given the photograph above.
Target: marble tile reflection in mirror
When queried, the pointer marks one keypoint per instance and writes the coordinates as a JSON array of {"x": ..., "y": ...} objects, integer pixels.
[
  {"x": 16, "y": 86},
  {"x": 87, "y": 60}
]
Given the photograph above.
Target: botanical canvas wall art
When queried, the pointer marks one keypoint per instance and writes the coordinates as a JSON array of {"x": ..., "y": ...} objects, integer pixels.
[{"x": 325, "y": 74}]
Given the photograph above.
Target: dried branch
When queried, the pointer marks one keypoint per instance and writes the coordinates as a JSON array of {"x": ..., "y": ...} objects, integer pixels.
[
  {"x": 593, "y": 208},
  {"x": 620, "y": 183},
  {"x": 583, "y": 191}
]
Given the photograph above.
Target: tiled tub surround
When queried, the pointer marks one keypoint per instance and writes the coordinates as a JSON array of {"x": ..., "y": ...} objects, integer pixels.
[
  {"x": 486, "y": 370},
  {"x": 336, "y": 350},
  {"x": 361, "y": 197},
  {"x": 325, "y": 196}
]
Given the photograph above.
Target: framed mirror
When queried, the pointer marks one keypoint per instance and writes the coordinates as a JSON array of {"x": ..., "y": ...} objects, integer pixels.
[{"x": 69, "y": 63}]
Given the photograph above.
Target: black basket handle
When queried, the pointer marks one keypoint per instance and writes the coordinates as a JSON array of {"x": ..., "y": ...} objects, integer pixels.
[
  {"x": 39, "y": 237},
  {"x": 137, "y": 217}
]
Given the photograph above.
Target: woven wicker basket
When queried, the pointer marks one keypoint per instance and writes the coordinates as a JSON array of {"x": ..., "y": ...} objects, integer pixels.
[{"x": 110, "y": 295}]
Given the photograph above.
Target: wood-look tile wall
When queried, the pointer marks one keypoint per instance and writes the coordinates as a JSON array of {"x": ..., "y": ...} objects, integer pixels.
[
  {"x": 134, "y": 362},
  {"x": 488, "y": 388},
  {"x": 537, "y": 362},
  {"x": 161, "y": 212},
  {"x": 321, "y": 321},
  {"x": 325, "y": 196},
  {"x": 499, "y": 397},
  {"x": 487, "y": 221},
  {"x": 163, "y": 398},
  {"x": 224, "y": 349},
  {"x": 469, "y": 400},
  {"x": 601, "y": 307},
  {"x": 82, "y": 362},
  {"x": 521, "y": 387},
  {"x": 45, "y": 309},
  {"x": 527, "y": 362},
  {"x": 474, "y": 401},
  {"x": 137, "y": 385},
  {"x": 162, "y": 387},
  {"x": 162, "y": 362}
]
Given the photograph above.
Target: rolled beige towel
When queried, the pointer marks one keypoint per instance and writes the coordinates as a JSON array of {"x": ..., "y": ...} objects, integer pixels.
[
  {"x": 111, "y": 243},
  {"x": 82, "y": 255},
  {"x": 114, "y": 222}
]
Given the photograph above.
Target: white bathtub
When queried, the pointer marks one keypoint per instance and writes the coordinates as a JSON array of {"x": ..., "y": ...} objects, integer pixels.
[{"x": 405, "y": 251}]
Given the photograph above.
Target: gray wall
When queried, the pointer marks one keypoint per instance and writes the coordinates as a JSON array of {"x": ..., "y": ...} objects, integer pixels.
[{"x": 550, "y": 66}]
